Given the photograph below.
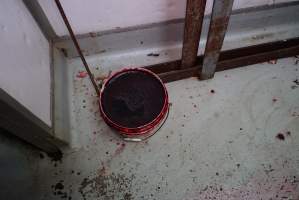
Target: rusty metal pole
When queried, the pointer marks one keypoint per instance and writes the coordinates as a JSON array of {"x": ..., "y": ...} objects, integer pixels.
[
  {"x": 219, "y": 21},
  {"x": 91, "y": 77},
  {"x": 193, "y": 22}
]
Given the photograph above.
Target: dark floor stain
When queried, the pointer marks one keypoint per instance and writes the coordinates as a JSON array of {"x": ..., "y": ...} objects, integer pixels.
[
  {"x": 59, "y": 186},
  {"x": 153, "y": 54},
  {"x": 212, "y": 91},
  {"x": 288, "y": 132},
  {"x": 296, "y": 82},
  {"x": 280, "y": 136},
  {"x": 41, "y": 156},
  {"x": 270, "y": 188},
  {"x": 59, "y": 190},
  {"x": 128, "y": 196},
  {"x": 56, "y": 156},
  {"x": 92, "y": 34},
  {"x": 107, "y": 186},
  {"x": 274, "y": 100}
]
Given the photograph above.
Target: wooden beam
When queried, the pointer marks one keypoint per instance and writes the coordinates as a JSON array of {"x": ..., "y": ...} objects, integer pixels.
[
  {"x": 230, "y": 59},
  {"x": 219, "y": 21},
  {"x": 193, "y": 23}
]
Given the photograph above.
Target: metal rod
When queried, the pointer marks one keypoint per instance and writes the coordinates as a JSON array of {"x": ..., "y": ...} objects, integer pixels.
[
  {"x": 219, "y": 21},
  {"x": 193, "y": 23},
  {"x": 77, "y": 46}
]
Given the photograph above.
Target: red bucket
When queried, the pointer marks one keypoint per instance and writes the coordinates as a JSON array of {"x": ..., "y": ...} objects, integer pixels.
[{"x": 134, "y": 102}]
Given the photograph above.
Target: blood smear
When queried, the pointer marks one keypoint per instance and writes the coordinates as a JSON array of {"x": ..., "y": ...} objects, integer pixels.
[{"x": 81, "y": 74}]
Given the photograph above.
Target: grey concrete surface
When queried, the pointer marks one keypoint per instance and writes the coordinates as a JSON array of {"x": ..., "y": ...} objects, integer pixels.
[{"x": 233, "y": 137}]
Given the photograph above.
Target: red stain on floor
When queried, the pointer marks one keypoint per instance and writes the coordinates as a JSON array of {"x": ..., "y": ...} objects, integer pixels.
[
  {"x": 81, "y": 74},
  {"x": 119, "y": 149}
]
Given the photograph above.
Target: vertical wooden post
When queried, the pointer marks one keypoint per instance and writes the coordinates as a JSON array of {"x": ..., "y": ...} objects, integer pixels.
[
  {"x": 193, "y": 23},
  {"x": 219, "y": 21}
]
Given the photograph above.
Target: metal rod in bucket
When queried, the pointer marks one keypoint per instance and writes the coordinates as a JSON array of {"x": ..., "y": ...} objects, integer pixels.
[{"x": 91, "y": 77}]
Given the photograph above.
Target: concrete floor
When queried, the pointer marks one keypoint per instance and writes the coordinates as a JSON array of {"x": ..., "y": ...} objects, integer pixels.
[{"x": 233, "y": 137}]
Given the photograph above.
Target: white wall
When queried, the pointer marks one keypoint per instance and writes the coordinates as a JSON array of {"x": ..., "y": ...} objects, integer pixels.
[
  {"x": 98, "y": 15},
  {"x": 25, "y": 60}
]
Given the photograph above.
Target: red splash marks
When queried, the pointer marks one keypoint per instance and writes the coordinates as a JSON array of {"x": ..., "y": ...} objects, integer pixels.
[
  {"x": 81, "y": 74},
  {"x": 119, "y": 149}
]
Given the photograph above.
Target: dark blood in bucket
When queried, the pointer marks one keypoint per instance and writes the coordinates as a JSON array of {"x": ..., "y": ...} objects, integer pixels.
[{"x": 133, "y": 99}]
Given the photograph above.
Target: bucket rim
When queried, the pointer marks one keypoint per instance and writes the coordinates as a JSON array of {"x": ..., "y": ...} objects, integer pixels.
[{"x": 140, "y": 130}]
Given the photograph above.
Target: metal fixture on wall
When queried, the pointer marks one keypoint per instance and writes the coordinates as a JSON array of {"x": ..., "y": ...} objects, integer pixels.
[
  {"x": 214, "y": 59},
  {"x": 219, "y": 21}
]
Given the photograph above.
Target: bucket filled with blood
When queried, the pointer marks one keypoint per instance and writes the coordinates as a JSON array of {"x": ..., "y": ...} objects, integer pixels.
[{"x": 134, "y": 102}]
